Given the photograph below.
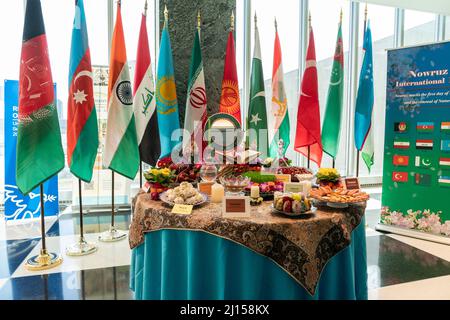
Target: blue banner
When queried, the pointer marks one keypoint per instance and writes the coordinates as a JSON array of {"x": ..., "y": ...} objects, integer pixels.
[{"x": 17, "y": 206}]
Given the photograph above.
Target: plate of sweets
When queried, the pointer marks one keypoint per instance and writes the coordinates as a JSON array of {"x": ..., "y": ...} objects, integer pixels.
[
  {"x": 337, "y": 198},
  {"x": 266, "y": 182},
  {"x": 291, "y": 204},
  {"x": 185, "y": 193}
]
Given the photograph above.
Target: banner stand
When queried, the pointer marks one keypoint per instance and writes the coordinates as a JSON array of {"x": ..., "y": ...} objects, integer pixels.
[{"x": 413, "y": 233}]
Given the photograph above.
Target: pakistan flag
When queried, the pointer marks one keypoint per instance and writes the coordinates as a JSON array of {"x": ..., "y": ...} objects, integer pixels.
[
  {"x": 257, "y": 135},
  {"x": 332, "y": 123}
]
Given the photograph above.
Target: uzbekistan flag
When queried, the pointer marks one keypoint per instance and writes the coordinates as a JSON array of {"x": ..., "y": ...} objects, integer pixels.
[
  {"x": 308, "y": 116},
  {"x": 444, "y": 181},
  {"x": 445, "y": 127},
  {"x": 425, "y": 126},
  {"x": 444, "y": 162},
  {"x": 424, "y": 144},
  {"x": 40, "y": 153},
  {"x": 82, "y": 130},
  {"x": 401, "y": 144},
  {"x": 121, "y": 150},
  {"x": 144, "y": 101}
]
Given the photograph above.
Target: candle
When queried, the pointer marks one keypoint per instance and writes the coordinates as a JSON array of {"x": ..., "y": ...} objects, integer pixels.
[
  {"x": 254, "y": 192},
  {"x": 306, "y": 187},
  {"x": 217, "y": 193}
]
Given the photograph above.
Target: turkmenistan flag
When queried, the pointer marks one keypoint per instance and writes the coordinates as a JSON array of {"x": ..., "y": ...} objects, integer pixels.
[
  {"x": 331, "y": 127},
  {"x": 82, "y": 129},
  {"x": 257, "y": 138},
  {"x": 364, "y": 104},
  {"x": 196, "y": 102},
  {"x": 280, "y": 137},
  {"x": 40, "y": 153},
  {"x": 121, "y": 149}
]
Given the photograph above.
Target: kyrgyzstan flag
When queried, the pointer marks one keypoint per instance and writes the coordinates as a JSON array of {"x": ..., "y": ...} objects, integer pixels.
[
  {"x": 40, "y": 153},
  {"x": 82, "y": 130},
  {"x": 308, "y": 116},
  {"x": 229, "y": 99}
]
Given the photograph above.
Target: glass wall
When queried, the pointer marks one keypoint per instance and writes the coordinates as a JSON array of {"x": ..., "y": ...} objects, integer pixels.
[{"x": 420, "y": 27}]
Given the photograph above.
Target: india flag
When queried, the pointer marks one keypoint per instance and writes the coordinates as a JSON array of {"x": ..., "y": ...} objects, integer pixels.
[
  {"x": 121, "y": 152},
  {"x": 445, "y": 127}
]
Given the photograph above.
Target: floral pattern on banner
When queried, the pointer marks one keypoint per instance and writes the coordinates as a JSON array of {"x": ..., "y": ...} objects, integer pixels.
[
  {"x": 302, "y": 247},
  {"x": 425, "y": 220}
]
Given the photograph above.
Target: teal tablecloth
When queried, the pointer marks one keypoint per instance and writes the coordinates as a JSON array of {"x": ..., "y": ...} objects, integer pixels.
[{"x": 181, "y": 264}]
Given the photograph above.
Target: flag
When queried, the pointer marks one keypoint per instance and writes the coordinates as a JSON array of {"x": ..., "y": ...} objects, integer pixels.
[
  {"x": 422, "y": 179},
  {"x": 445, "y": 127},
  {"x": 445, "y": 145},
  {"x": 229, "y": 99},
  {"x": 400, "y": 127},
  {"x": 308, "y": 116},
  {"x": 196, "y": 101},
  {"x": 82, "y": 129},
  {"x": 121, "y": 152},
  {"x": 424, "y": 127},
  {"x": 444, "y": 162},
  {"x": 280, "y": 138},
  {"x": 40, "y": 153},
  {"x": 400, "y": 176},
  {"x": 257, "y": 117},
  {"x": 398, "y": 160},
  {"x": 331, "y": 127},
  {"x": 424, "y": 144},
  {"x": 401, "y": 144},
  {"x": 422, "y": 161},
  {"x": 147, "y": 131},
  {"x": 166, "y": 95},
  {"x": 444, "y": 181},
  {"x": 364, "y": 103}
]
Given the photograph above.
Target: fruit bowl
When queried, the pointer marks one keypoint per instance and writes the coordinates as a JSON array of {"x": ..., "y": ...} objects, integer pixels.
[{"x": 234, "y": 185}]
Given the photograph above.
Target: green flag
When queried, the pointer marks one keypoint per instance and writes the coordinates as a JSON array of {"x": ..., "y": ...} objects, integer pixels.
[
  {"x": 332, "y": 123},
  {"x": 257, "y": 137}
]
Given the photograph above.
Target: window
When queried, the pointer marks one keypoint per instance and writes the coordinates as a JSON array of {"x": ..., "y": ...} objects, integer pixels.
[
  {"x": 419, "y": 27},
  {"x": 325, "y": 42},
  {"x": 382, "y": 28},
  {"x": 287, "y": 14}
]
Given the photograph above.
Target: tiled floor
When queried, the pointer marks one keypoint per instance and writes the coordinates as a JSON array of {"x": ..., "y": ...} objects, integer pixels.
[{"x": 398, "y": 267}]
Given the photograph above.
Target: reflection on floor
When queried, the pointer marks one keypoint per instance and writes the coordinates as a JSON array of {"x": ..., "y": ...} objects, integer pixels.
[{"x": 398, "y": 267}]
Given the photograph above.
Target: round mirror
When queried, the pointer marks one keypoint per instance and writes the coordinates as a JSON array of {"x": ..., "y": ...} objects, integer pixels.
[{"x": 223, "y": 132}]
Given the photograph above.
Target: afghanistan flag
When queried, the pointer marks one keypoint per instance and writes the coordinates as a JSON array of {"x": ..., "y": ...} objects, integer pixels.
[
  {"x": 280, "y": 139},
  {"x": 257, "y": 118},
  {"x": 364, "y": 104},
  {"x": 82, "y": 129},
  {"x": 121, "y": 149},
  {"x": 166, "y": 95},
  {"x": 229, "y": 99},
  {"x": 331, "y": 127},
  {"x": 308, "y": 116},
  {"x": 422, "y": 179},
  {"x": 144, "y": 101},
  {"x": 40, "y": 153},
  {"x": 196, "y": 101}
]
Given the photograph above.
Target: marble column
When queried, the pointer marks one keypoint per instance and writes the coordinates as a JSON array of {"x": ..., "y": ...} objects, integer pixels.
[{"x": 215, "y": 16}]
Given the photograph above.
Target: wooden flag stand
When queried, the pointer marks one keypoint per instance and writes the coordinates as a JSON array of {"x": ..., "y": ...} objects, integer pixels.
[
  {"x": 112, "y": 234},
  {"x": 44, "y": 260},
  {"x": 81, "y": 248}
]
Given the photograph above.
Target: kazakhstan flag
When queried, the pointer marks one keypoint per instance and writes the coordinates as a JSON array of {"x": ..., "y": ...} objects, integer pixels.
[{"x": 166, "y": 95}]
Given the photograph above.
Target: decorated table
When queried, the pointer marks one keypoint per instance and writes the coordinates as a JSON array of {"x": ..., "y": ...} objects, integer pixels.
[{"x": 204, "y": 255}]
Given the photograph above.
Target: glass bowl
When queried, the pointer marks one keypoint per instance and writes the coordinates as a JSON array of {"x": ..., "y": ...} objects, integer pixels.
[{"x": 234, "y": 185}]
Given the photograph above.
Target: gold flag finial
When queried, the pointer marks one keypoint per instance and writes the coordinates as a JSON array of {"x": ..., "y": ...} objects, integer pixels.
[
  {"x": 119, "y": 2},
  {"x": 199, "y": 20},
  {"x": 145, "y": 8},
  {"x": 309, "y": 19},
  {"x": 340, "y": 17},
  {"x": 256, "y": 20},
  {"x": 166, "y": 13},
  {"x": 276, "y": 25},
  {"x": 232, "y": 20}
]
